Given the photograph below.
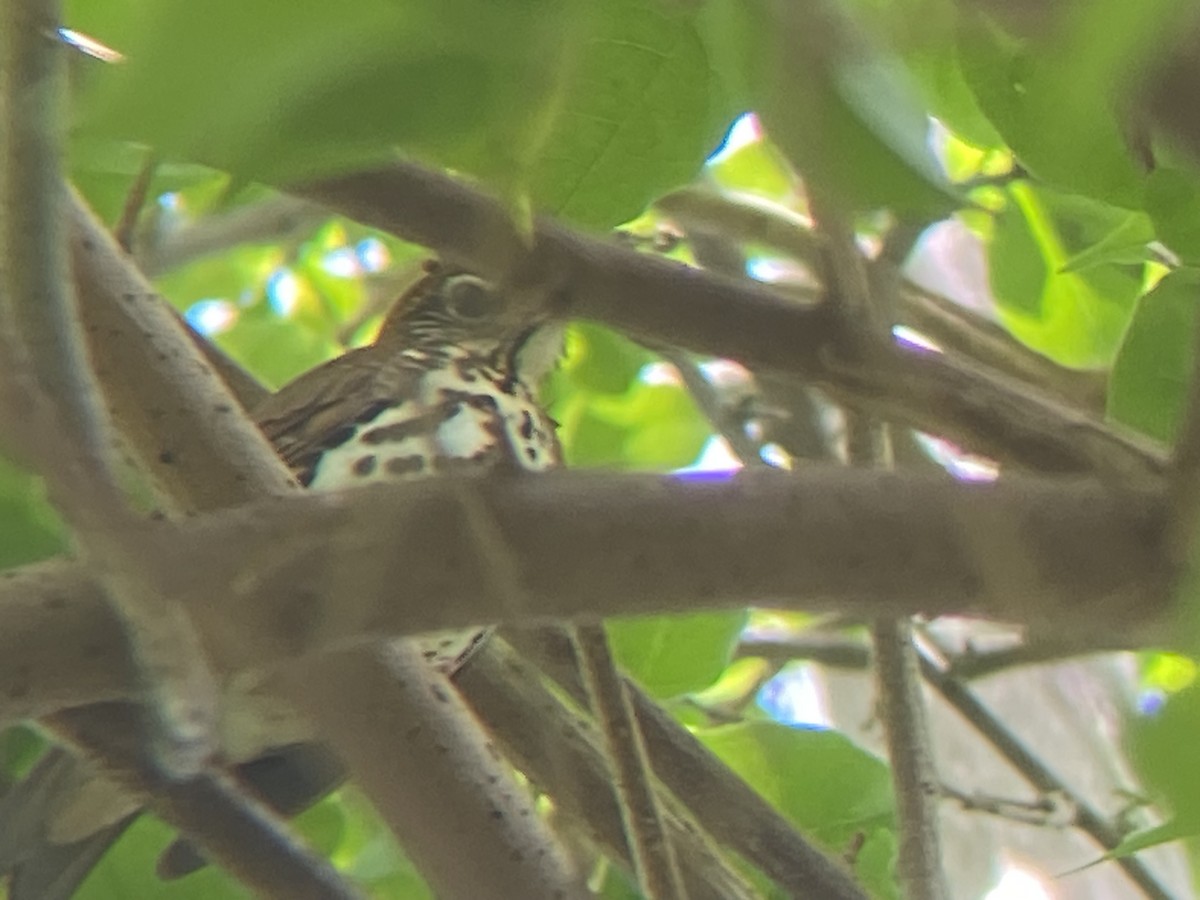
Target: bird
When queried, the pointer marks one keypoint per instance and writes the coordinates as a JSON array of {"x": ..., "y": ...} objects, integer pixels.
[{"x": 448, "y": 386}]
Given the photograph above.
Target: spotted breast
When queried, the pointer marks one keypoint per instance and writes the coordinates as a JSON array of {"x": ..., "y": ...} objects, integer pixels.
[{"x": 449, "y": 385}]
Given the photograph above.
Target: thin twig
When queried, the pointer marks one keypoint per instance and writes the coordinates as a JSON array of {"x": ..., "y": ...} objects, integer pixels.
[
  {"x": 559, "y": 750},
  {"x": 125, "y": 231},
  {"x": 68, "y": 433},
  {"x": 728, "y": 420},
  {"x": 902, "y": 710},
  {"x": 1037, "y": 773},
  {"x": 461, "y": 794},
  {"x": 268, "y": 221},
  {"x": 654, "y": 299},
  {"x": 897, "y": 683},
  {"x": 1049, "y": 811},
  {"x": 735, "y": 814},
  {"x": 654, "y": 860}
]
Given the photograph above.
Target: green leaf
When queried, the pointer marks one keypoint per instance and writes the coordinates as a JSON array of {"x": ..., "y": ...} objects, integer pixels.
[
  {"x": 1076, "y": 318},
  {"x": 820, "y": 780},
  {"x": 590, "y": 440},
  {"x": 602, "y": 361},
  {"x": 1054, "y": 100},
  {"x": 31, "y": 528},
  {"x": 1161, "y": 746},
  {"x": 127, "y": 870},
  {"x": 1149, "y": 379},
  {"x": 757, "y": 167},
  {"x": 673, "y": 655},
  {"x": 1174, "y": 830},
  {"x": 275, "y": 350},
  {"x": 325, "y": 87},
  {"x": 1124, "y": 245},
  {"x": 665, "y": 429},
  {"x": 843, "y": 111},
  {"x": 1173, "y": 202},
  {"x": 641, "y": 111}
]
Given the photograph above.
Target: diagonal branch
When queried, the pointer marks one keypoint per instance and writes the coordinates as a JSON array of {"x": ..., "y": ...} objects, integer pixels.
[
  {"x": 653, "y": 855},
  {"x": 657, "y": 300},
  {"x": 198, "y": 443},
  {"x": 66, "y": 430}
]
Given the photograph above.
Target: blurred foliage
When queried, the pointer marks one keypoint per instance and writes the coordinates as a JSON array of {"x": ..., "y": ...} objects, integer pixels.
[{"x": 590, "y": 111}]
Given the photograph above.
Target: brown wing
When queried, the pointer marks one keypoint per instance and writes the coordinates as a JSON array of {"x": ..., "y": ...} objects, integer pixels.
[{"x": 320, "y": 409}]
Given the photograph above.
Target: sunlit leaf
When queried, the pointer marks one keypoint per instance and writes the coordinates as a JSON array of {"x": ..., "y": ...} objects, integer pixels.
[
  {"x": 840, "y": 108},
  {"x": 1077, "y": 318},
  {"x": 673, "y": 655},
  {"x": 1055, "y": 101},
  {"x": 323, "y": 87},
  {"x": 1173, "y": 202},
  {"x": 1150, "y": 376},
  {"x": 640, "y": 111},
  {"x": 834, "y": 791},
  {"x": 1155, "y": 745}
]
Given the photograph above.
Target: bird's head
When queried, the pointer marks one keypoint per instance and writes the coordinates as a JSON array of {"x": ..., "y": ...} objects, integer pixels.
[{"x": 451, "y": 308}]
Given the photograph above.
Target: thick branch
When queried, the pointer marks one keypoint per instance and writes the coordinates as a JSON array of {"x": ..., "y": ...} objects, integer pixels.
[
  {"x": 657, "y": 300},
  {"x": 238, "y": 831},
  {"x": 560, "y": 752},
  {"x": 737, "y": 815},
  {"x": 654, "y": 857},
  {"x": 457, "y": 777},
  {"x": 166, "y": 400},
  {"x": 179, "y": 417},
  {"x": 66, "y": 431},
  {"x": 303, "y": 573},
  {"x": 594, "y": 544}
]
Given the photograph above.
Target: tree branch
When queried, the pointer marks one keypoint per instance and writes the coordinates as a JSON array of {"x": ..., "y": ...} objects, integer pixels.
[
  {"x": 298, "y": 574},
  {"x": 560, "y": 752},
  {"x": 657, "y": 300},
  {"x": 67, "y": 432},
  {"x": 217, "y": 813},
  {"x": 179, "y": 417},
  {"x": 654, "y": 860},
  {"x": 456, "y": 776},
  {"x": 1037, "y": 773},
  {"x": 267, "y": 221}
]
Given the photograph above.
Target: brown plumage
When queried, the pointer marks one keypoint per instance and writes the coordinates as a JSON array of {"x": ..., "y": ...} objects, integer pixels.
[{"x": 449, "y": 384}]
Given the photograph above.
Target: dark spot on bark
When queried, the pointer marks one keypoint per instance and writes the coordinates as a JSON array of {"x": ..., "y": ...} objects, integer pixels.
[
  {"x": 223, "y": 408},
  {"x": 526, "y": 425},
  {"x": 531, "y": 452},
  {"x": 166, "y": 457},
  {"x": 365, "y": 465},
  {"x": 56, "y": 601}
]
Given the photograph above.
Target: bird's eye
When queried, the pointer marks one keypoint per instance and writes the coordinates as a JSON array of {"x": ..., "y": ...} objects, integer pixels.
[{"x": 468, "y": 297}]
